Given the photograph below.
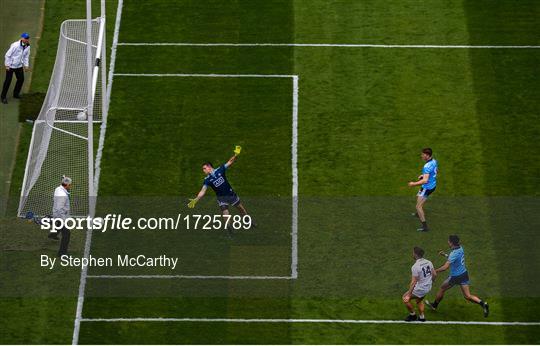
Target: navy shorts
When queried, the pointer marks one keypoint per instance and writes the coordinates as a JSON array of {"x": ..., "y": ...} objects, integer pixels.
[
  {"x": 225, "y": 201},
  {"x": 462, "y": 279},
  {"x": 425, "y": 192}
]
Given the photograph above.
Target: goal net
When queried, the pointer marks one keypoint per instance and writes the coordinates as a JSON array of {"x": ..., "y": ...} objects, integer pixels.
[{"x": 59, "y": 144}]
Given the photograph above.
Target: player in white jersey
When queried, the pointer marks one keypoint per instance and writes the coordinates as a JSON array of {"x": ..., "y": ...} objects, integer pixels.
[{"x": 423, "y": 275}]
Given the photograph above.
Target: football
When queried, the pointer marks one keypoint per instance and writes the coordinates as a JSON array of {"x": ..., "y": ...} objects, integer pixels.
[{"x": 81, "y": 116}]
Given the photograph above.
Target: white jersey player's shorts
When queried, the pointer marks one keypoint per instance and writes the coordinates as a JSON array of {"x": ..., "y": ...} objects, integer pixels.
[{"x": 419, "y": 292}]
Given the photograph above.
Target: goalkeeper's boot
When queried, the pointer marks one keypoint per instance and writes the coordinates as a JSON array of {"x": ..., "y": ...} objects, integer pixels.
[
  {"x": 253, "y": 224},
  {"x": 53, "y": 235},
  {"x": 486, "y": 309},
  {"x": 411, "y": 318},
  {"x": 230, "y": 230}
]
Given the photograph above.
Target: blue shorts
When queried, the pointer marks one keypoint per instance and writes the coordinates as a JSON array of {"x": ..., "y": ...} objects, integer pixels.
[
  {"x": 425, "y": 192},
  {"x": 462, "y": 279},
  {"x": 225, "y": 201}
]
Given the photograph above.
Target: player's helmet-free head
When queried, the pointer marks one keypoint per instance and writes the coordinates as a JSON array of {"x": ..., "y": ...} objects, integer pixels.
[
  {"x": 66, "y": 180},
  {"x": 454, "y": 239},
  {"x": 207, "y": 167},
  {"x": 427, "y": 151},
  {"x": 25, "y": 35},
  {"x": 418, "y": 252}
]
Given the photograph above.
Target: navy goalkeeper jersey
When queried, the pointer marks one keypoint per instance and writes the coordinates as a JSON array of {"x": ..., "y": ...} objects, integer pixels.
[{"x": 218, "y": 182}]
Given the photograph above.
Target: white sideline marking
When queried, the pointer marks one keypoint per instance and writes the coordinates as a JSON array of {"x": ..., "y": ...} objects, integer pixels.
[
  {"x": 305, "y": 320},
  {"x": 198, "y": 277},
  {"x": 88, "y": 241},
  {"x": 342, "y": 45},
  {"x": 294, "y": 232},
  {"x": 208, "y": 75}
]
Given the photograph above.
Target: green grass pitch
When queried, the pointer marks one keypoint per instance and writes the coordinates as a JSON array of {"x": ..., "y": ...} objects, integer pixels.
[{"x": 363, "y": 116}]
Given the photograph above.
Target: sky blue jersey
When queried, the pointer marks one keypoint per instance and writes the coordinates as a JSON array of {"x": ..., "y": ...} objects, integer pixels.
[
  {"x": 430, "y": 168},
  {"x": 457, "y": 262}
]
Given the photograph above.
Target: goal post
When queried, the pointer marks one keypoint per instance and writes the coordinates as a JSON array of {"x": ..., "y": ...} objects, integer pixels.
[{"x": 62, "y": 136}]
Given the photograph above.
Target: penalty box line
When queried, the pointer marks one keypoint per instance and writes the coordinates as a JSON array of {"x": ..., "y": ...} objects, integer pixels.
[
  {"x": 207, "y": 75},
  {"x": 294, "y": 164},
  {"x": 306, "y": 320}
]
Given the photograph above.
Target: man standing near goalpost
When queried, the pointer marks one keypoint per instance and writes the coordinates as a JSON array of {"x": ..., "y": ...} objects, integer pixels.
[
  {"x": 16, "y": 61},
  {"x": 217, "y": 180},
  {"x": 428, "y": 182},
  {"x": 61, "y": 210}
]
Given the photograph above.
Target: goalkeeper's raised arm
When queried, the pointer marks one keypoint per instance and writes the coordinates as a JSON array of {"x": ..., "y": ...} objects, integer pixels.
[{"x": 237, "y": 151}]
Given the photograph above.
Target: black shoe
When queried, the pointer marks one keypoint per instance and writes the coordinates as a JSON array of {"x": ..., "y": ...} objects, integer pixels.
[
  {"x": 422, "y": 229},
  {"x": 4, "y": 101},
  {"x": 421, "y": 319},
  {"x": 53, "y": 236},
  {"x": 17, "y": 97},
  {"x": 411, "y": 318},
  {"x": 486, "y": 309},
  {"x": 431, "y": 306}
]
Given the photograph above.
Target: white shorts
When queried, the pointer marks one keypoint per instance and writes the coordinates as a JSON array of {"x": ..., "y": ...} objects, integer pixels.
[{"x": 420, "y": 292}]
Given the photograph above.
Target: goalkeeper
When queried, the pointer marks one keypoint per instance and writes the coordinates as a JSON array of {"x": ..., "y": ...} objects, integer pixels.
[{"x": 217, "y": 180}]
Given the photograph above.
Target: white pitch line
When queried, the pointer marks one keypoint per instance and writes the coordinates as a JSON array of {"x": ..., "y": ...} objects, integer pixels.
[
  {"x": 342, "y": 45},
  {"x": 207, "y": 75},
  {"x": 294, "y": 231},
  {"x": 306, "y": 320},
  {"x": 88, "y": 241},
  {"x": 196, "y": 277}
]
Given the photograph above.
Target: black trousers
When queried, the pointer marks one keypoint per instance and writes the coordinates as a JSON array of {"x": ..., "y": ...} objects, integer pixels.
[
  {"x": 64, "y": 242},
  {"x": 19, "y": 73}
]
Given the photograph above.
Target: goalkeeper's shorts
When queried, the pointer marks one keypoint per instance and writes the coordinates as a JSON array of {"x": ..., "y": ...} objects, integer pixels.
[{"x": 225, "y": 201}]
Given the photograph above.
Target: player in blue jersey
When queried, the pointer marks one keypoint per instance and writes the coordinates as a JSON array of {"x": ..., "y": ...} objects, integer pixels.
[
  {"x": 428, "y": 182},
  {"x": 217, "y": 180},
  {"x": 458, "y": 276}
]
